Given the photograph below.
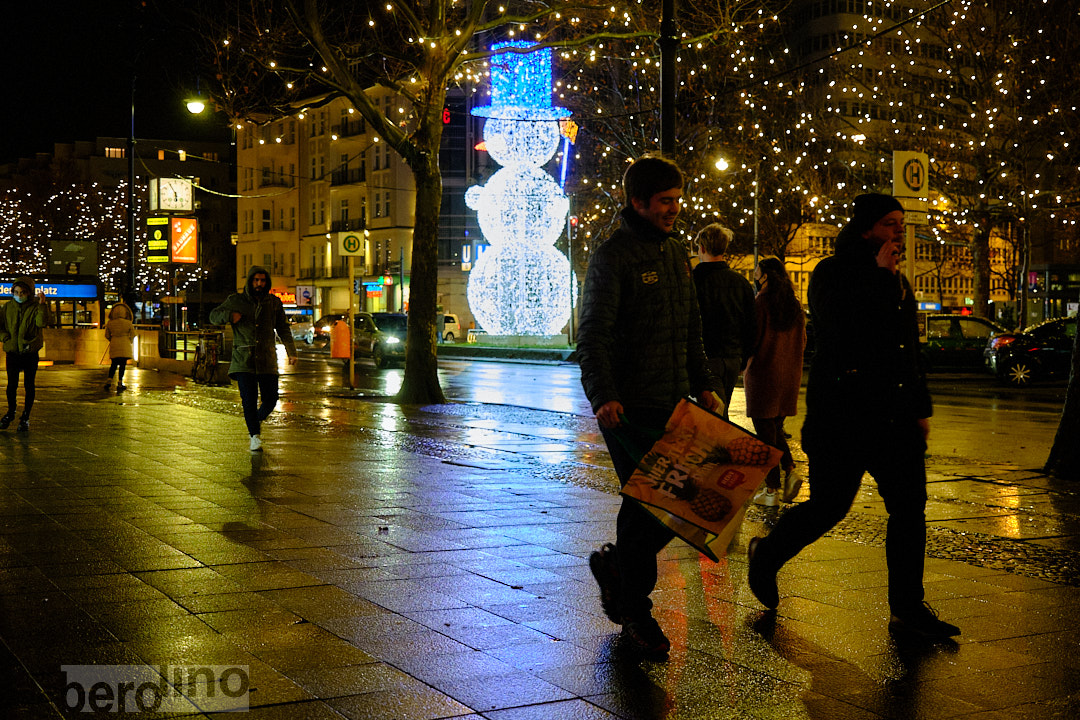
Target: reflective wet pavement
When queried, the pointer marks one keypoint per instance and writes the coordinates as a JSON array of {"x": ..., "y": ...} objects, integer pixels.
[{"x": 418, "y": 563}]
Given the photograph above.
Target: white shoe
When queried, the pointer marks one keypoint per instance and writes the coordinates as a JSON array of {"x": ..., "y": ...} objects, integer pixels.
[
  {"x": 792, "y": 484},
  {"x": 767, "y": 496},
  {"x": 256, "y": 443}
]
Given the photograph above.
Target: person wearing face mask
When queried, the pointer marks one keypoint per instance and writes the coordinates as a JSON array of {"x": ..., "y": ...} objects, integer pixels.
[
  {"x": 774, "y": 373},
  {"x": 256, "y": 316},
  {"x": 867, "y": 410},
  {"x": 21, "y": 324}
]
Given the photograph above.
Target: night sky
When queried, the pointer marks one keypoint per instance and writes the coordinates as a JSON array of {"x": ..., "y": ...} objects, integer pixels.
[{"x": 68, "y": 68}]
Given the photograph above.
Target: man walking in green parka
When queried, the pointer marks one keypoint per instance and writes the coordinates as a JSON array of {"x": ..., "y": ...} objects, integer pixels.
[
  {"x": 255, "y": 315},
  {"x": 21, "y": 323}
]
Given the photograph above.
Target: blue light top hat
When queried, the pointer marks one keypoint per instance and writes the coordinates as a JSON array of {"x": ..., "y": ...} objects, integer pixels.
[{"x": 520, "y": 85}]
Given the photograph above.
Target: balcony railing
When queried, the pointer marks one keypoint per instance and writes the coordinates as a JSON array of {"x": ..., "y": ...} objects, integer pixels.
[
  {"x": 348, "y": 176},
  {"x": 349, "y": 129},
  {"x": 347, "y": 225}
]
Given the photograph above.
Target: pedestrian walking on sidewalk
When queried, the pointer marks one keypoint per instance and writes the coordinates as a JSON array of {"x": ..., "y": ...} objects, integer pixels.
[
  {"x": 120, "y": 332},
  {"x": 22, "y": 321},
  {"x": 256, "y": 315},
  {"x": 774, "y": 373},
  {"x": 640, "y": 351},
  {"x": 727, "y": 309},
  {"x": 867, "y": 410}
]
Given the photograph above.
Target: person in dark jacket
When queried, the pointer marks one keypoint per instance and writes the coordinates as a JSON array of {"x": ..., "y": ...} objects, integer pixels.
[
  {"x": 640, "y": 352},
  {"x": 21, "y": 323},
  {"x": 726, "y": 300},
  {"x": 256, "y": 315},
  {"x": 867, "y": 410}
]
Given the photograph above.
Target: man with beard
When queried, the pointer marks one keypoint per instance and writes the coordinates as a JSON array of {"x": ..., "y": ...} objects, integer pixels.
[{"x": 255, "y": 316}]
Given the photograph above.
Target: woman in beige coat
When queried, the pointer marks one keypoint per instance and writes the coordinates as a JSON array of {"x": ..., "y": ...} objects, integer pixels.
[
  {"x": 774, "y": 372},
  {"x": 120, "y": 332}
]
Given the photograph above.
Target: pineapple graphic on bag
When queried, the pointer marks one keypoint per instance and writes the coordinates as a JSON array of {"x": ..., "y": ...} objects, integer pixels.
[
  {"x": 743, "y": 450},
  {"x": 707, "y": 504}
]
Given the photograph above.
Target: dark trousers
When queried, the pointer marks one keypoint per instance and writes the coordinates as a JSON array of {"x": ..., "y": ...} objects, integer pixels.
[
  {"x": 639, "y": 537},
  {"x": 118, "y": 365},
  {"x": 771, "y": 430},
  {"x": 726, "y": 370},
  {"x": 252, "y": 387},
  {"x": 894, "y": 455},
  {"x": 27, "y": 364}
]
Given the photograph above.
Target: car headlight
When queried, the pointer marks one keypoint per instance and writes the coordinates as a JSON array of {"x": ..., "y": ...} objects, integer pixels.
[{"x": 392, "y": 340}]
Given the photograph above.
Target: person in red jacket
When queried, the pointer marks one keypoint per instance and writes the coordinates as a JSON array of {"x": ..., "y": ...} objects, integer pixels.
[{"x": 774, "y": 373}]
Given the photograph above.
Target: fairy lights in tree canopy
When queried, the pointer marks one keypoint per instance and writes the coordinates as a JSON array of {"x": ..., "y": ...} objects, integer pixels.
[{"x": 521, "y": 284}]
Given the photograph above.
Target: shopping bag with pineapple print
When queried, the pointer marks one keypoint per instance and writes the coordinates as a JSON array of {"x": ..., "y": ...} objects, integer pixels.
[{"x": 698, "y": 476}]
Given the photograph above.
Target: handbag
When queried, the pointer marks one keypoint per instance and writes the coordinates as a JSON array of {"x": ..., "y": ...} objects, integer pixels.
[{"x": 698, "y": 476}]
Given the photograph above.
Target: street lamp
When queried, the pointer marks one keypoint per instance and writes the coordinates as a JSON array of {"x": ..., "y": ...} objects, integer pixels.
[{"x": 722, "y": 165}]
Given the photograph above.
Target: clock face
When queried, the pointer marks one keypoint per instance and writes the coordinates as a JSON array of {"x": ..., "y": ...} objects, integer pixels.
[{"x": 174, "y": 194}]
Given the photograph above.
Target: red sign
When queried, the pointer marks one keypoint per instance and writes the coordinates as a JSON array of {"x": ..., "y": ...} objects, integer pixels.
[{"x": 184, "y": 240}]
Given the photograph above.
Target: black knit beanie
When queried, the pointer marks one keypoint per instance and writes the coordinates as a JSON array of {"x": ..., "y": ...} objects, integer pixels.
[{"x": 871, "y": 207}]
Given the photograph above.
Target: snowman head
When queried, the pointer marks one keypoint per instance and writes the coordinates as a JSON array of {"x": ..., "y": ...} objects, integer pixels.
[{"x": 521, "y": 142}]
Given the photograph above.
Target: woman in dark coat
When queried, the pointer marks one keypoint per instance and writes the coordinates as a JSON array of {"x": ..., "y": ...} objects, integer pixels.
[{"x": 774, "y": 373}]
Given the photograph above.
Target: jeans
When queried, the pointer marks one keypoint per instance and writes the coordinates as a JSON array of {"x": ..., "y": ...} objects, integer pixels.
[
  {"x": 639, "y": 536},
  {"x": 894, "y": 455},
  {"x": 27, "y": 364},
  {"x": 252, "y": 386}
]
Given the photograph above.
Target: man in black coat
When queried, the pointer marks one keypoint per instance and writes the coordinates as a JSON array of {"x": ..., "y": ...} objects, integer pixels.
[
  {"x": 640, "y": 352},
  {"x": 728, "y": 316},
  {"x": 867, "y": 410}
]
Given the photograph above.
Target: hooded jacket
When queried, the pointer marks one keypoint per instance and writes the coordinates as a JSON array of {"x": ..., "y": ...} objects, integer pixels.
[
  {"x": 120, "y": 331},
  {"x": 21, "y": 324},
  {"x": 261, "y": 316},
  {"x": 639, "y": 336},
  {"x": 865, "y": 373}
]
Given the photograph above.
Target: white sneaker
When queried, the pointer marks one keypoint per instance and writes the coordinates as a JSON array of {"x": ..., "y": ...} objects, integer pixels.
[
  {"x": 256, "y": 443},
  {"x": 767, "y": 496},
  {"x": 792, "y": 484}
]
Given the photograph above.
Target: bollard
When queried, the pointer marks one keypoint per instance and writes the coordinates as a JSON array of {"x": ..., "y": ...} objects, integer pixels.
[{"x": 339, "y": 340}]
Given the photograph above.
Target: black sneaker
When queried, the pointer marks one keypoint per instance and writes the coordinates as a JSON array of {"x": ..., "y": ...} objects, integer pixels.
[
  {"x": 6, "y": 420},
  {"x": 644, "y": 636},
  {"x": 24, "y": 425},
  {"x": 762, "y": 580},
  {"x": 121, "y": 388},
  {"x": 923, "y": 620},
  {"x": 606, "y": 571}
]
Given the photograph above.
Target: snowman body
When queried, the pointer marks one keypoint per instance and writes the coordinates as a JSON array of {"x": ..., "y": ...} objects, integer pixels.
[{"x": 521, "y": 284}]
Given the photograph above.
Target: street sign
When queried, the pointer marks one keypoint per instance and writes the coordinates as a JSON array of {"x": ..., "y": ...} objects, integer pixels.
[
  {"x": 911, "y": 185},
  {"x": 350, "y": 243}
]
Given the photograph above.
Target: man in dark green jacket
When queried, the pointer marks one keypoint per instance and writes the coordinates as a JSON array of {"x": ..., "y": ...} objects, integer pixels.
[
  {"x": 255, "y": 315},
  {"x": 640, "y": 352},
  {"x": 21, "y": 324},
  {"x": 867, "y": 410}
]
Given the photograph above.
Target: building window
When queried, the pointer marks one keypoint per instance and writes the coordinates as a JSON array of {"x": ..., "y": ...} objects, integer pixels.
[
  {"x": 266, "y": 220},
  {"x": 115, "y": 153},
  {"x": 344, "y": 210}
]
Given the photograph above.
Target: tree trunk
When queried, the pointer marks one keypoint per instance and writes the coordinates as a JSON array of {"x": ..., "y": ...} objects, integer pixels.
[
  {"x": 1064, "y": 458},
  {"x": 421, "y": 382}
]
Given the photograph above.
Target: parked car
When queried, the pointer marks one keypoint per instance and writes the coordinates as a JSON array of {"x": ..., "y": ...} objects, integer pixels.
[
  {"x": 956, "y": 341},
  {"x": 321, "y": 328},
  {"x": 1040, "y": 351},
  {"x": 451, "y": 328},
  {"x": 302, "y": 328},
  {"x": 380, "y": 336}
]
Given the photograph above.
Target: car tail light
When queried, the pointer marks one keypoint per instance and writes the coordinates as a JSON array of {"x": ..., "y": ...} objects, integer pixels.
[{"x": 1001, "y": 341}]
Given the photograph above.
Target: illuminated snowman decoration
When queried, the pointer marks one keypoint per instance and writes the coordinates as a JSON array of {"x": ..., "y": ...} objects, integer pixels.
[{"x": 521, "y": 284}]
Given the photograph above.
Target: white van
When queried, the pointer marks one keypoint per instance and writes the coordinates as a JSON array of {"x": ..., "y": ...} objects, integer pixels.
[{"x": 451, "y": 328}]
